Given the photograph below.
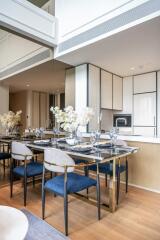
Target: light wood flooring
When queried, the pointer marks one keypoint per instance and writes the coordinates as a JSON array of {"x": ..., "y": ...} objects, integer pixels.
[{"x": 137, "y": 218}]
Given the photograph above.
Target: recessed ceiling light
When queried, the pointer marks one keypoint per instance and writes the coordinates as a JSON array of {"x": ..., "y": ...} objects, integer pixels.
[
  {"x": 132, "y": 68},
  {"x": 27, "y": 85}
]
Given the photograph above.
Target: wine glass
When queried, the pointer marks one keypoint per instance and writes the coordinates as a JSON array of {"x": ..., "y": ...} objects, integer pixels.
[
  {"x": 54, "y": 132},
  {"x": 41, "y": 132},
  {"x": 113, "y": 136},
  {"x": 98, "y": 134},
  {"x": 93, "y": 139}
]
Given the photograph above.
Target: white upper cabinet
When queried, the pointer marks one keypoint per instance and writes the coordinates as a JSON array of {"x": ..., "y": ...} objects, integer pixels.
[
  {"x": 106, "y": 90},
  {"x": 117, "y": 93},
  {"x": 127, "y": 95},
  {"x": 145, "y": 83}
]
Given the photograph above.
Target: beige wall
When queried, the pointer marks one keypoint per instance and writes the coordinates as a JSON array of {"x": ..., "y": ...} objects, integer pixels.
[
  {"x": 4, "y": 102},
  {"x": 70, "y": 87},
  {"x": 4, "y": 99},
  {"x": 107, "y": 119},
  {"x": 18, "y": 101}
]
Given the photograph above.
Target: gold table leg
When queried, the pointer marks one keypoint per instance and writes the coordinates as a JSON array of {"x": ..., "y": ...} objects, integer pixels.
[{"x": 112, "y": 187}]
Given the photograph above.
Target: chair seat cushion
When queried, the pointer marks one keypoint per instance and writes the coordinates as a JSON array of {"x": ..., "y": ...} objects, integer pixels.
[
  {"x": 75, "y": 183},
  {"x": 79, "y": 161},
  {"x": 103, "y": 168},
  {"x": 106, "y": 168},
  {"x": 33, "y": 169},
  {"x": 4, "y": 155}
]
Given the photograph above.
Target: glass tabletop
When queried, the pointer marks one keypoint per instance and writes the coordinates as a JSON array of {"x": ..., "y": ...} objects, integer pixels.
[{"x": 86, "y": 150}]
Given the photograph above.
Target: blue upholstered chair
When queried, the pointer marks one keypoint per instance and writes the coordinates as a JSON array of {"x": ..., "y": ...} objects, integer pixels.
[
  {"x": 3, "y": 157},
  {"x": 106, "y": 168},
  {"x": 3, "y": 154},
  {"x": 26, "y": 169},
  {"x": 67, "y": 182}
]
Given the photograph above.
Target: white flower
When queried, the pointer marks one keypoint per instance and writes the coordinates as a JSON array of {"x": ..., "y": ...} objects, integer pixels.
[
  {"x": 69, "y": 109},
  {"x": 10, "y": 119},
  {"x": 69, "y": 119}
]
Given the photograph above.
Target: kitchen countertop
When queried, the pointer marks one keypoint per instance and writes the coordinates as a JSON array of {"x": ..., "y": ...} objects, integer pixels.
[{"x": 130, "y": 138}]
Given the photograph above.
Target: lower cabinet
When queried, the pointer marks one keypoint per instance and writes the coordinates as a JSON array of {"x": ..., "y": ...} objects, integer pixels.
[{"x": 145, "y": 131}]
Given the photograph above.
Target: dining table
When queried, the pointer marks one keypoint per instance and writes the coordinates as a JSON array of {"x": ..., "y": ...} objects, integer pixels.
[{"x": 99, "y": 154}]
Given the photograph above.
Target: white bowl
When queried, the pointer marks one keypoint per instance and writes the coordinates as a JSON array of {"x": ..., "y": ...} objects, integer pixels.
[{"x": 71, "y": 141}]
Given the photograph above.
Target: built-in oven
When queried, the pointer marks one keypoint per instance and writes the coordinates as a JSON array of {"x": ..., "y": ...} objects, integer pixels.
[{"x": 122, "y": 120}]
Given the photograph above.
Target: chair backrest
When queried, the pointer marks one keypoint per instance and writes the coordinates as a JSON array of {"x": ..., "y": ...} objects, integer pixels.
[
  {"x": 20, "y": 150},
  {"x": 59, "y": 159},
  {"x": 120, "y": 142}
]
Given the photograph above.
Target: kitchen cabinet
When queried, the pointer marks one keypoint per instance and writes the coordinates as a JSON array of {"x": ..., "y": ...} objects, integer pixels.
[
  {"x": 145, "y": 104},
  {"x": 145, "y": 131},
  {"x": 111, "y": 91},
  {"x": 127, "y": 95},
  {"x": 106, "y": 90},
  {"x": 145, "y": 109},
  {"x": 117, "y": 93},
  {"x": 145, "y": 83}
]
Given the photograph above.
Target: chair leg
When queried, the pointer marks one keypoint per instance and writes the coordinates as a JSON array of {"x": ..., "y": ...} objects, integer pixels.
[
  {"x": 66, "y": 214},
  {"x": 86, "y": 173},
  {"x": 98, "y": 198},
  {"x": 126, "y": 175},
  {"x": 55, "y": 174},
  {"x": 33, "y": 180},
  {"x": 43, "y": 203},
  {"x": 4, "y": 166},
  {"x": 25, "y": 190},
  {"x": 118, "y": 185},
  {"x": 11, "y": 183},
  {"x": 106, "y": 179}
]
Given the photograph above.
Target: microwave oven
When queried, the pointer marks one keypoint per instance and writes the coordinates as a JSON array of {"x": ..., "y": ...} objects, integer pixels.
[{"x": 122, "y": 120}]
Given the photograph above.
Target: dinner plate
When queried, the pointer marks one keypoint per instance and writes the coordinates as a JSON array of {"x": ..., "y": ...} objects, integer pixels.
[
  {"x": 61, "y": 140},
  {"x": 106, "y": 145},
  {"x": 81, "y": 149},
  {"x": 42, "y": 142}
]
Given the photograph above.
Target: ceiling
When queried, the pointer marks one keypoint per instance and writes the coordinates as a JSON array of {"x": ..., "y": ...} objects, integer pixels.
[
  {"x": 47, "y": 77},
  {"x": 38, "y": 3},
  {"x": 129, "y": 52}
]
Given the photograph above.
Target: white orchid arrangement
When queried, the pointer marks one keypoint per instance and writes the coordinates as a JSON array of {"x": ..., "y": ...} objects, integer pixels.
[
  {"x": 10, "y": 120},
  {"x": 70, "y": 120}
]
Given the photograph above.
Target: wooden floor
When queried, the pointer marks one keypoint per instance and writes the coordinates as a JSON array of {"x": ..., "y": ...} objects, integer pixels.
[{"x": 137, "y": 218}]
